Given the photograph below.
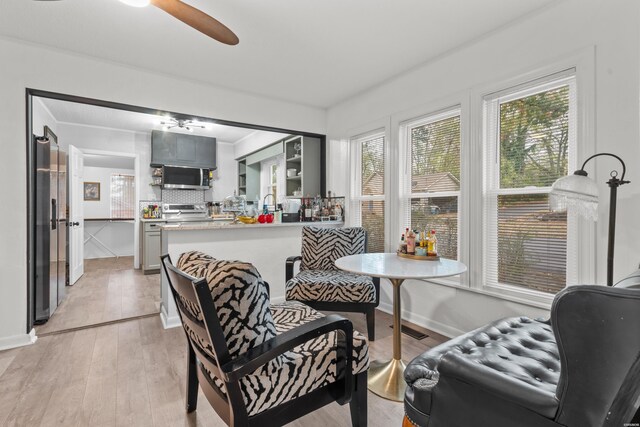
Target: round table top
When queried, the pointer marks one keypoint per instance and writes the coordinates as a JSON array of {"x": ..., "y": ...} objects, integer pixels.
[{"x": 392, "y": 266}]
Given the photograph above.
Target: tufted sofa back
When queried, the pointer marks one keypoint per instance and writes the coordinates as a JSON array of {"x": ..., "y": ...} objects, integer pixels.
[{"x": 597, "y": 330}]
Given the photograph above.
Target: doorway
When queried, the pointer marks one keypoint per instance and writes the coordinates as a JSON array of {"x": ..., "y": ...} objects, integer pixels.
[{"x": 104, "y": 129}]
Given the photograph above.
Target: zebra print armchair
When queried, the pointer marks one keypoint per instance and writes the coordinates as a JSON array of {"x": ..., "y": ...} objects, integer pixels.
[
  {"x": 321, "y": 285},
  {"x": 261, "y": 364}
]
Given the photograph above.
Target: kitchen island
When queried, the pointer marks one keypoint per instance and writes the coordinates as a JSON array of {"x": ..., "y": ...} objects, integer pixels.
[{"x": 266, "y": 246}]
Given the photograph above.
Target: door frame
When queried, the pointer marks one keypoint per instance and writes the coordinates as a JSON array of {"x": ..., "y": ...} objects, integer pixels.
[
  {"x": 30, "y": 190},
  {"x": 137, "y": 171}
]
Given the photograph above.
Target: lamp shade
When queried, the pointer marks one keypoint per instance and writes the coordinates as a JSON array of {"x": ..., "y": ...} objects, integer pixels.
[{"x": 578, "y": 192}]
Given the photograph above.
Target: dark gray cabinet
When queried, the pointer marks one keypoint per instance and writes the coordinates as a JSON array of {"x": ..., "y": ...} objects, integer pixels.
[{"x": 176, "y": 149}]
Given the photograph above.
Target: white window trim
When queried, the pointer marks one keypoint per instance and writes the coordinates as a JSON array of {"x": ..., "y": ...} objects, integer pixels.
[
  {"x": 471, "y": 199},
  {"x": 581, "y": 252},
  {"x": 405, "y": 193},
  {"x": 356, "y": 136},
  {"x": 442, "y": 108}
]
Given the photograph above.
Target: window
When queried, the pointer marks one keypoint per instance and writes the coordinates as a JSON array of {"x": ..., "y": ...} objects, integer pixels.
[
  {"x": 368, "y": 190},
  {"x": 529, "y": 143},
  {"x": 123, "y": 196},
  {"x": 432, "y": 184},
  {"x": 272, "y": 179},
  {"x": 273, "y": 172}
]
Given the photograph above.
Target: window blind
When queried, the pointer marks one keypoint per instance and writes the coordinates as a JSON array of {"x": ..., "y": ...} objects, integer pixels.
[
  {"x": 123, "y": 196},
  {"x": 530, "y": 142},
  {"x": 432, "y": 188},
  {"x": 368, "y": 200}
]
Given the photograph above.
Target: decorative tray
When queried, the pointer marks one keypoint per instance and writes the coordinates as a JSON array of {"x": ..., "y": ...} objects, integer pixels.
[{"x": 419, "y": 257}]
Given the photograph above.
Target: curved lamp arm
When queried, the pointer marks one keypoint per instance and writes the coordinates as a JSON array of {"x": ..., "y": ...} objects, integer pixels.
[{"x": 624, "y": 167}]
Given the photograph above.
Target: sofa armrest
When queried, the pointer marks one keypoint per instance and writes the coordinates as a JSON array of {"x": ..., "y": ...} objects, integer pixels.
[
  {"x": 487, "y": 379},
  {"x": 288, "y": 271}
]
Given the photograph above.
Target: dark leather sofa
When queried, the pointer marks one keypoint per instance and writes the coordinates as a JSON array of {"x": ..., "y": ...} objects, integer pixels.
[{"x": 580, "y": 368}]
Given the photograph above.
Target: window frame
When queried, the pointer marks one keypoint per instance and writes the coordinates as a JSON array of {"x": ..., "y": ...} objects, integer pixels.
[
  {"x": 354, "y": 217},
  {"x": 133, "y": 194},
  {"x": 406, "y": 195},
  {"x": 471, "y": 211},
  {"x": 577, "y": 231}
]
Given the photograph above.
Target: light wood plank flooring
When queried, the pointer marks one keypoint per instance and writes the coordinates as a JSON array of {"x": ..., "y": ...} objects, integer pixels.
[
  {"x": 133, "y": 374},
  {"x": 109, "y": 290}
]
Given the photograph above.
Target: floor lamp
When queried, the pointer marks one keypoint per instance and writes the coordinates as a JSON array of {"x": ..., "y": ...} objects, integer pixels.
[{"x": 581, "y": 193}]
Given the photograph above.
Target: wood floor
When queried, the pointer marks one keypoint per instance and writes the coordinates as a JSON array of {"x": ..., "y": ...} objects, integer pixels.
[
  {"x": 109, "y": 290},
  {"x": 133, "y": 374}
]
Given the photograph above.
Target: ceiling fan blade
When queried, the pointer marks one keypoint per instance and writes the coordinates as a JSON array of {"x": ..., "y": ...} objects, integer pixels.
[{"x": 198, "y": 20}]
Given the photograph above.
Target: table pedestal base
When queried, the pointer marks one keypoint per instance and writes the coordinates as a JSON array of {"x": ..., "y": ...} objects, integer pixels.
[{"x": 386, "y": 379}]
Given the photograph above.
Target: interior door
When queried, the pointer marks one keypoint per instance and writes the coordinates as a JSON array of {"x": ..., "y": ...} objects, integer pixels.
[{"x": 76, "y": 214}]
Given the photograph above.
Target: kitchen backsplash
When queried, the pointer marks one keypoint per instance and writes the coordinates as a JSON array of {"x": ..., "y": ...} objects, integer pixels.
[
  {"x": 182, "y": 196},
  {"x": 175, "y": 196}
]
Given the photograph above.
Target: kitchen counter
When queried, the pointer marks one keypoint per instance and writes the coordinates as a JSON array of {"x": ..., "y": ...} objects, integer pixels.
[
  {"x": 213, "y": 225},
  {"x": 266, "y": 246}
]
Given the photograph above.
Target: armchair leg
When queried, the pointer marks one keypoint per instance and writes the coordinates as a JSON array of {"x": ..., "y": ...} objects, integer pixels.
[
  {"x": 192, "y": 380},
  {"x": 371, "y": 323},
  {"x": 358, "y": 405}
]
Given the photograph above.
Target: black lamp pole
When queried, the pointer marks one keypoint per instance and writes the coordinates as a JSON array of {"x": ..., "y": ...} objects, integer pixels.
[{"x": 613, "y": 183}]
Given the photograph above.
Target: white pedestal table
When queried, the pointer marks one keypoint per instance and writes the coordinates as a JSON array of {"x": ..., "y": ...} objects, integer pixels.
[{"x": 386, "y": 377}]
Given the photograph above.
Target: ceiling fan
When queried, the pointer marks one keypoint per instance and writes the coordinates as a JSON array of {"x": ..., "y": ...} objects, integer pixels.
[{"x": 191, "y": 16}]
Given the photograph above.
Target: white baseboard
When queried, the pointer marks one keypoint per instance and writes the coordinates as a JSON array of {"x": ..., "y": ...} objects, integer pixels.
[
  {"x": 168, "y": 322},
  {"x": 276, "y": 300},
  {"x": 434, "y": 325},
  {"x": 18, "y": 340}
]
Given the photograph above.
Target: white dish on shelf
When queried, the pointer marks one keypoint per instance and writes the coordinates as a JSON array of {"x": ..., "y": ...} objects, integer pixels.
[{"x": 291, "y": 173}]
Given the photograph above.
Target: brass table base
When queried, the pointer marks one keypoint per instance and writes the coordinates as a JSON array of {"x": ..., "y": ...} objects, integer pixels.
[{"x": 386, "y": 379}]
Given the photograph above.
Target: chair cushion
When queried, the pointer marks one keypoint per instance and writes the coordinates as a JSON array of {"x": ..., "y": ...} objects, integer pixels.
[
  {"x": 322, "y": 246},
  {"x": 518, "y": 347},
  {"x": 307, "y": 367},
  {"x": 330, "y": 286},
  {"x": 240, "y": 297}
]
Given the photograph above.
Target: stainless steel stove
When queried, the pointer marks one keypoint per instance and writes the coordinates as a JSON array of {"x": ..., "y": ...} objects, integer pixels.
[{"x": 173, "y": 212}]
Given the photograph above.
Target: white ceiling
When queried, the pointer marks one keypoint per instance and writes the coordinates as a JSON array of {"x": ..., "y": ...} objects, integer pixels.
[
  {"x": 315, "y": 53},
  {"x": 90, "y": 115}
]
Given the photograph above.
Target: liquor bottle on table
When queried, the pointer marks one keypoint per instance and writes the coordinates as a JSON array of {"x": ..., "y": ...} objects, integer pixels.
[{"x": 432, "y": 247}]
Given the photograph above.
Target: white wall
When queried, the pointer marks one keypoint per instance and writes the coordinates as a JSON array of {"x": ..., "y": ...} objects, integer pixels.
[
  {"x": 255, "y": 141},
  {"x": 21, "y": 68},
  {"x": 117, "y": 236},
  {"x": 41, "y": 117},
  {"x": 611, "y": 28},
  {"x": 225, "y": 178},
  {"x": 101, "y": 208}
]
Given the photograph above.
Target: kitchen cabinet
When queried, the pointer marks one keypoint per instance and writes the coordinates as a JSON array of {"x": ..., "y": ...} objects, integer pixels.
[
  {"x": 150, "y": 246},
  {"x": 176, "y": 149},
  {"x": 303, "y": 153},
  {"x": 248, "y": 179}
]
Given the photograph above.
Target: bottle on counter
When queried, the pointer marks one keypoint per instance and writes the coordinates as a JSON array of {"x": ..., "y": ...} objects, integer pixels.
[
  {"x": 338, "y": 211},
  {"x": 301, "y": 211},
  {"x": 432, "y": 247},
  {"x": 308, "y": 210}
]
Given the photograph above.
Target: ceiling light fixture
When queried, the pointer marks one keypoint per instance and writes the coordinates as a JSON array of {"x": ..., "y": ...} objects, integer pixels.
[
  {"x": 188, "y": 125},
  {"x": 136, "y": 3}
]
